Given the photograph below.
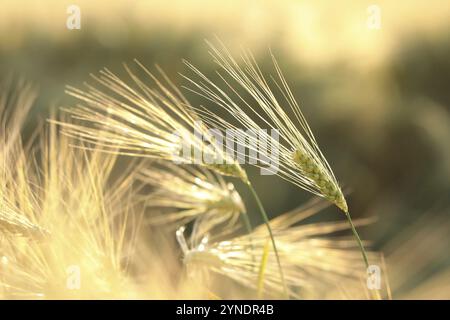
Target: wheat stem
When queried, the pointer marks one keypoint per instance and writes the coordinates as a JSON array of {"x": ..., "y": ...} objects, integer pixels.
[
  {"x": 262, "y": 269},
  {"x": 358, "y": 239},
  {"x": 247, "y": 223},
  {"x": 375, "y": 294},
  {"x": 269, "y": 229}
]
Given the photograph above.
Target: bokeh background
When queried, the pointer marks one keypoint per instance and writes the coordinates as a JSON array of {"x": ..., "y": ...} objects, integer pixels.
[{"x": 377, "y": 99}]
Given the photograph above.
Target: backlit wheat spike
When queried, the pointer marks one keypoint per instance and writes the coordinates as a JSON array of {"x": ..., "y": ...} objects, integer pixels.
[
  {"x": 313, "y": 258},
  {"x": 88, "y": 214},
  {"x": 300, "y": 159},
  {"x": 186, "y": 193},
  {"x": 143, "y": 121}
]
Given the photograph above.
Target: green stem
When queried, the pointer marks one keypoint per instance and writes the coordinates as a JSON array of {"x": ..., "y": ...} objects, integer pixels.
[
  {"x": 269, "y": 229},
  {"x": 247, "y": 223},
  {"x": 358, "y": 239},
  {"x": 249, "y": 228},
  {"x": 376, "y": 294}
]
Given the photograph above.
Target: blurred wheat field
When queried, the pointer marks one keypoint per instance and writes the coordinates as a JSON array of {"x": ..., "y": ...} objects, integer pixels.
[{"x": 79, "y": 221}]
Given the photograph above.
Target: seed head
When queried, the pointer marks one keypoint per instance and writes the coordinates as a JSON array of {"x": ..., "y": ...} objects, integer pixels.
[
  {"x": 321, "y": 179},
  {"x": 131, "y": 118},
  {"x": 185, "y": 193},
  {"x": 299, "y": 157}
]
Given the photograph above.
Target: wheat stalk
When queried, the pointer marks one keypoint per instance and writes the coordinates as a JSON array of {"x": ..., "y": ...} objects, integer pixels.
[{"x": 301, "y": 161}]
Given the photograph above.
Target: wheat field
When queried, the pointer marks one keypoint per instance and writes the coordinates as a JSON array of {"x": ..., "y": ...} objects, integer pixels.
[{"x": 114, "y": 184}]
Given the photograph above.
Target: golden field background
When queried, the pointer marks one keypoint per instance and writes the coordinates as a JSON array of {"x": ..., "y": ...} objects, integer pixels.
[{"x": 377, "y": 100}]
